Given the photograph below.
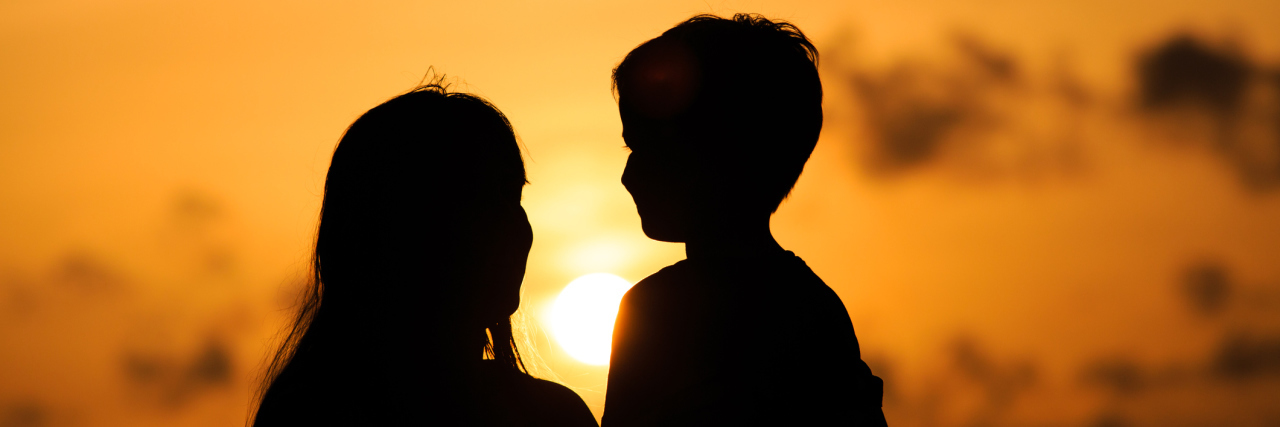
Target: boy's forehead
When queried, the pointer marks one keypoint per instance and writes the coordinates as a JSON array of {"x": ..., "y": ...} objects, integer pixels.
[{"x": 661, "y": 80}]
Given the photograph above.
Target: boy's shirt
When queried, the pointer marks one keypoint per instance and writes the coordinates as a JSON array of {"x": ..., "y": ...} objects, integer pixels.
[{"x": 742, "y": 341}]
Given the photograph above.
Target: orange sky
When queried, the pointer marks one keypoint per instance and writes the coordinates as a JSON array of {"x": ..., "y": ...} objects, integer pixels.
[{"x": 150, "y": 137}]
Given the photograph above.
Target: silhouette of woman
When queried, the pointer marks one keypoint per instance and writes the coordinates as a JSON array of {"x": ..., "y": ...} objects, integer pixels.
[{"x": 418, "y": 261}]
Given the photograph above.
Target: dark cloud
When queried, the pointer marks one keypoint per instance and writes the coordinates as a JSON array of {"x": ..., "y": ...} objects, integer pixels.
[
  {"x": 1207, "y": 286},
  {"x": 199, "y": 233},
  {"x": 990, "y": 61},
  {"x": 908, "y": 125},
  {"x": 975, "y": 104},
  {"x": 1239, "y": 95},
  {"x": 23, "y": 414},
  {"x": 1110, "y": 419},
  {"x": 1118, "y": 374},
  {"x": 1243, "y": 356},
  {"x": 1183, "y": 70},
  {"x": 212, "y": 366},
  {"x": 977, "y": 107},
  {"x": 974, "y": 386},
  {"x": 1001, "y": 380},
  {"x": 18, "y": 298},
  {"x": 168, "y": 380},
  {"x": 143, "y": 369},
  {"x": 196, "y": 206},
  {"x": 915, "y": 108},
  {"x": 1246, "y": 360},
  {"x": 86, "y": 272}
]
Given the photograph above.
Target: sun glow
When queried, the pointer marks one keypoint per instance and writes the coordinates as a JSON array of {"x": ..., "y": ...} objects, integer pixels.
[{"x": 583, "y": 315}]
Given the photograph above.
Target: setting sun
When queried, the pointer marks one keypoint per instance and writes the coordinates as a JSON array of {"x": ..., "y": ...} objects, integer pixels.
[{"x": 582, "y": 317}]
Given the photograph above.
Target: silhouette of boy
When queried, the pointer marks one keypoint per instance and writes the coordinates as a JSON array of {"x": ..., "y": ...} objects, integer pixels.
[{"x": 721, "y": 115}]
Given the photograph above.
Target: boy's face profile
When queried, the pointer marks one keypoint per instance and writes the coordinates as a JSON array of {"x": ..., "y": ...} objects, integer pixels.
[
  {"x": 658, "y": 177},
  {"x": 658, "y": 87}
]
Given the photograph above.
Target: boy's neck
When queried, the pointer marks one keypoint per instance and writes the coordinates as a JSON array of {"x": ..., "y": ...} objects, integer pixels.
[{"x": 733, "y": 239}]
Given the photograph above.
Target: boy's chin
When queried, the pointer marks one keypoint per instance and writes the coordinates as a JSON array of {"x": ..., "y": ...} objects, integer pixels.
[{"x": 663, "y": 232}]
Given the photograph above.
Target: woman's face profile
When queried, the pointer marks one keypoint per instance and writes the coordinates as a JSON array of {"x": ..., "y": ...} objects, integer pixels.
[{"x": 496, "y": 243}]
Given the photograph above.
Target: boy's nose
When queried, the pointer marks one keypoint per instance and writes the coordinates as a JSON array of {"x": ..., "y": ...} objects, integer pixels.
[{"x": 628, "y": 174}]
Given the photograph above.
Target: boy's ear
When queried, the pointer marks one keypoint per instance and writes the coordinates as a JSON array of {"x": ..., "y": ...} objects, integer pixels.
[{"x": 663, "y": 81}]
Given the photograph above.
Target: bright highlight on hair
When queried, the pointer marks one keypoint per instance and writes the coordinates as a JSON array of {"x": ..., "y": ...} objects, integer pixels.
[{"x": 583, "y": 315}]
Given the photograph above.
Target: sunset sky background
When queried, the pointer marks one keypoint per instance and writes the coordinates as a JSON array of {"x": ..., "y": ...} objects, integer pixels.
[{"x": 1056, "y": 214}]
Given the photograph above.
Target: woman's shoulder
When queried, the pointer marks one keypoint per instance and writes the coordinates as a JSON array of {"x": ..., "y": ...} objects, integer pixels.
[
  {"x": 542, "y": 402},
  {"x": 557, "y": 395}
]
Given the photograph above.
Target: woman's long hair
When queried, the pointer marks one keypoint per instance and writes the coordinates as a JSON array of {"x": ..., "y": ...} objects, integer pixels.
[{"x": 402, "y": 178}]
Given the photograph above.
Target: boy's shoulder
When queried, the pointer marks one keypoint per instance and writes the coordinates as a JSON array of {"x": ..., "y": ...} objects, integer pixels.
[
  {"x": 671, "y": 275},
  {"x": 661, "y": 285},
  {"x": 782, "y": 277}
]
